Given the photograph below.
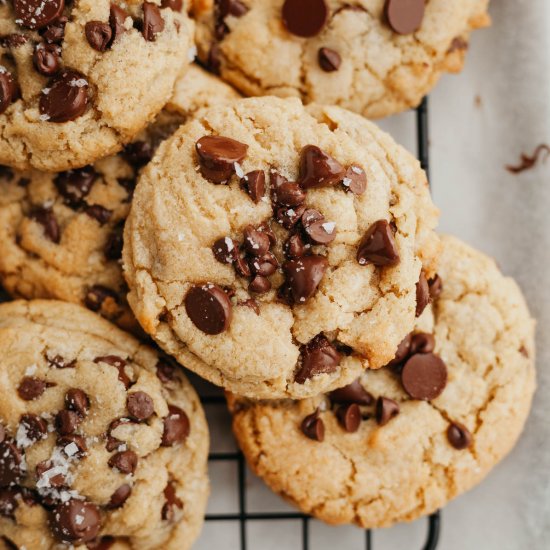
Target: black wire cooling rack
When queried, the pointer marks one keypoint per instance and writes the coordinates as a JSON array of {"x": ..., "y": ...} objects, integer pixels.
[{"x": 243, "y": 516}]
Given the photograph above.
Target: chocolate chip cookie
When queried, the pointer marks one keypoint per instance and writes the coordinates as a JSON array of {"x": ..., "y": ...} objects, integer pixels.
[
  {"x": 375, "y": 57},
  {"x": 402, "y": 441},
  {"x": 276, "y": 249},
  {"x": 61, "y": 234},
  {"x": 73, "y": 73},
  {"x": 101, "y": 439}
]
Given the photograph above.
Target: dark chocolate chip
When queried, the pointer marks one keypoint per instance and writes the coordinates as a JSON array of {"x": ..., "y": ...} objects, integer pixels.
[
  {"x": 153, "y": 22},
  {"x": 14, "y": 40},
  {"x": 259, "y": 285},
  {"x": 98, "y": 295},
  {"x": 54, "y": 33},
  {"x": 10, "y": 464},
  {"x": 8, "y": 503},
  {"x": 265, "y": 265},
  {"x": 313, "y": 427},
  {"x": 115, "y": 242},
  {"x": 254, "y": 185},
  {"x": 266, "y": 228},
  {"x": 36, "y": 428},
  {"x": 120, "y": 496},
  {"x": 175, "y": 5},
  {"x": 284, "y": 192},
  {"x": 166, "y": 371},
  {"x": 9, "y": 91},
  {"x": 66, "y": 422},
  {"x": 119, "y": 364},
  {"x": 352, "y": 393},
  {"x": 319, "y": 356},
  {"x": 98, "y": 34},
  {"x": 304, "y": 275},
  {"x": 317, "y": 228},
  {"x": 75, "y": 521},
  {"x": 318, "y": 169},
  {"x": 78, "y": 440},
  {"x": 349, "y": 417},
  {"x": 140, "y": 406},
  {"x": 172, "y": 502},
  {"x": 47, "y": 58},
  {"x": 209, "y": 308},
  {"x": 74, "y": 185},
  {"x": 98, "y": 213},
  {"x": 218, "y": 155},
  {"x": 405, "y": 16},
  {"x": 66, "y": 98},
  {"x": 37, "y": 14},
  {"x": 176, "y": 427},
  {"x": 57, "y": 480},
  {"x": 403, "y": 351},
  {"x": 329, "y": 60},
  {"x": 378, "y": 246},
  {"x": 224, "y": 250},
  {"x": 289, "y": 217},
  {"x": 355, "y": 180},
  {"x": 422, "y": 294},
  {"x": 125, "y": 462},
  {"x": 386, "y": 409},
  {"x": 422, "y": 342},
  {"x": 112, "y": 442},
  {"x": 47, "y": 219},
  {"x": 59, "y": 362},
  {"x": 424, "y": 376},
  {"x": 252, "y": 304},
  {"x": 295, "y": 247},
  {"x": 214, "y": 60},
  {"x": 236, "y": 8},
  {"x": 117, "y": 17},
  {"x": 459, "y": 436},
  {"x": 305, "y": 18},
  {"x": 138, "y": 153},
  {"x": 2, "y": 433},
  {"x": 31, "y": 388},
  {"x": 436, "y": 287},
  {"x": 256, "y": 243},
  {"x": 76, "y": 400}
]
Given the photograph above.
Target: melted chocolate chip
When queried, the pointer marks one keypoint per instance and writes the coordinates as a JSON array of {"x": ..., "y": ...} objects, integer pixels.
[
  {"x": 378, "y": 246},
  {"x": 252, "y": 304},
  {"x": 254, "y": 185},
  {"x": 386, "y": 409},
  {"x": 305, "y": 18},
  {"x": 265, "y": 265},
  {"x": 153, "y": 23},
  {"x": 422, "y": 294},
  {"x": 31, "y": 388},
  {"x": 98, "y": 34},
  {"x": 166, "y": 371},
  {"x": 313, "y": 427},
  {"x": 125, "y": 462},
  {"x": 115, "y": 242},
  {"x": 98, "y": 295},
  {"x": 36, "y": 428},
  {"x": 47, "y": 219},
  {"x": 112, "y": 442},
  {"x": 74, "y": 185},
  {"x": 289, "y": 217},
  {"x": 349, "y": 417},
  {"x": 9, "y": 91},
  {"x": 57, "y": 480},
  {"x": 317, "y": 228},
  {"x": 117, "y": 18},
  {"x": 224, "y": 250},
  {"x": 295, "y": 247},
  {"x": 176, "y": 427},
  {"x": 8, "y": 503},
  {"x": 209, "y": 308},
  {"x": 403, "y": 351},
  {"x": 47, "y": 59},
  {"x": 98, "y": 213},
  {"x": 352, "y": 393},
  {"x": 76, "y": 400},
  {"x": 424, "y": 376},
  {"x": 54, "y": 33},
  {"x": 319, "y": 356},
  {"x": 459, "y": 436},
  {"x": 120, "y": 496},
  {"x": 78, "y": 440},
  {"x": 175, "y": 5},
  {"x": 422, "y": 342},
  {"x": 218, "y": 155},
  {"x": 36, "y": 14},
  {"x": 10, "y": 464},
  {"x": 436, "y": 287},
  {"x": 256, "y": 243},
  {"x": 405, "y": 16},
  {"x": 66, "y": 98},
  {"x": 355, "y": 180},
  {"x": 259, "y": 285},
  {"x": 14, "y": 40},
  {"x": 241, "y": 266},
  {"x": 329, "y": 60},
  {"x": 140, "y": 406},
  {"x": 119, "y": 364},
  {"x": 66, "y": 422},
  {"x": 236, "y": 8},
  {"x": 172, "y": 502},
  {"x": 284, "y": 192},
  {"x": 138, "y": 153},
  {"x": 304, "y": 275},
  {"x": 59, "y": 362},
  {"x": 318, "y": 169},
  {"x": 75, "y": 521}
]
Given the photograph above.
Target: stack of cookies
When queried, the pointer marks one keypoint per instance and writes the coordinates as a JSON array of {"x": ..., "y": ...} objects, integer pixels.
[{"x": 280, "y": 246}]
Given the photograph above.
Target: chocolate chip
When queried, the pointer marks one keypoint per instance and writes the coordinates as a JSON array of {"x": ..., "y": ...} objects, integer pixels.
[
  {"x": 119, "y": 364},
  {"x": 317, "y": 228},
  {"x": 176, "y": 427},
  {"x": 98, "y": 34},
  {"x": 9, "y": 91},
  {"x": 172, "y": 502},
  {"x": 304, "y": 275},
  {"x": 36, "y": 14},
  {"x": 47, "y": 219},
  {"x": 214, "y": 60},
  {"x": 209, "y": 308},
  {"x": 138, "y": 153},
  {"x": 241, "y": 266},
  {"x": 2, "y": 433},
  {"x": 36, "y": 428},
  {"x": 66, "y": 97},
  {"x": 405, "y": 16},
  {"x": 349, "y": 417},
  {"x": 74, "y": 185},
  {"x": 254, "y": 185},
  {"x": 97, "y": 295},
  {"x": 78, "y": 440},
  {"x": 166, "y": 371},
  {"x": 422, "y": 294},
  {"x": 459, "y": 436},
  {"x": 294, "y": 247},
  {"x": 120, "y": 496},
  {"x": 231, "y": 7},
  {"x": 75, "y": 521},
  {"x": 352, "y": 393},
  {"x": 10, "y": 464},
  {"x": 57, "y": 480},
  {"x": 115, "y": 242},
  {"x": 59, "y": 362},
  {"x": 329, "y": 60},
  {"x": 103, "y": 543},
  {"x": 218, "y": 155},
  {"x": 318, "y": 169},
  {"x": 125, "y": 462},
  {"x": 55, "y": 32},
  {"x": 355, "y": 180},
  {"x": 112, "y": 442},
  {"x": 140, "y": 406},
  {"x": 265, "y": 266},
  {"x": 436, "y": 287},
  {"x": 175, "y": 5},
  {"x": 117, "y": 18},
  {"x": 153, "y": 23},
  {"x": 386, "y": 409},
  {"x": 66, "y": 422},
  {"x": 403, "y": 351},
  {"x": 319, "y": 356},
  {"x": 8, "y": 503},
  {"x": 378, "y": 246},
  {"x": 259, "y": 285},
  {"x": 76, "y": 400},
  {"x": 98, "y": 213},
  {"x": 422, "y": 342},
  {"x": 313, "y": 427},
  {"x": 424, "y": 376},
  {"x": 305, "y": 18},
  {"x": 31, "y": 388},
  {"x": 256, "y": 243},
  {"x": 6, "y": 173},
  {"x": 47, "y": 59},
  {"x": 252, "y": 304},
  {"x": 224, "y": 250},
  {"x": 14, "y": 40},
  {"x": 266, "y": 228},
  {"x": 289, "y": 217},
  {"x": 284, "y": 192}
]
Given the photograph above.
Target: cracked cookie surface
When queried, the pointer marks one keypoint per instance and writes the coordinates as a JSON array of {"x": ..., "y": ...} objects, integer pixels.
[
  {"x": 233, "y": 323},
  {"x": 410, "y": 463},
  {"x": 102, "y": 440},
  {"x": 355, "y": 59},
  {"x": 61, "y": 234},
  {"x": 71, "y": 77}
]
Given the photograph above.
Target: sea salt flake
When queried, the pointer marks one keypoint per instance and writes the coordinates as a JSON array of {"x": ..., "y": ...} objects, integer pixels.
[{"x": 238, "y": 169}]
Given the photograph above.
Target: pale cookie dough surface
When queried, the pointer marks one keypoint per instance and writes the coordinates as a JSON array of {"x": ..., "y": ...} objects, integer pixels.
[
  {"x": 84, "y": 266},
  {"x": 131, "y": 72},
  {"x": 383, "y": 474},
  {"x": 60, "y": 347},
  {"x": 177, "y": 215},
  {"x": 380, "y": 72}
]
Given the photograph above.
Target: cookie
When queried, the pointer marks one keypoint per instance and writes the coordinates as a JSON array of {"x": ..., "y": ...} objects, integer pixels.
[
  {"x": 61, "y": 234},
  {"x": 275, "y": 249},
  {"x": 72, "y": 74},
  {"x": 375, "y": 57},
  {"x": 402, "y": 441},
  {"x": 100, "y": 437}
]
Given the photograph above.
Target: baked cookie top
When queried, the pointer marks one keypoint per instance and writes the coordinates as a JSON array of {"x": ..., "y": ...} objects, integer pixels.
[
  {"x": 101, "y": 439},
  {"x": 375, "y": 57},
  {"x": 61, "y": 234},
  {"x": 72, "y": 74},
  {"x": 275, "y": 249},
  {"x": 402, "y": 441}
]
